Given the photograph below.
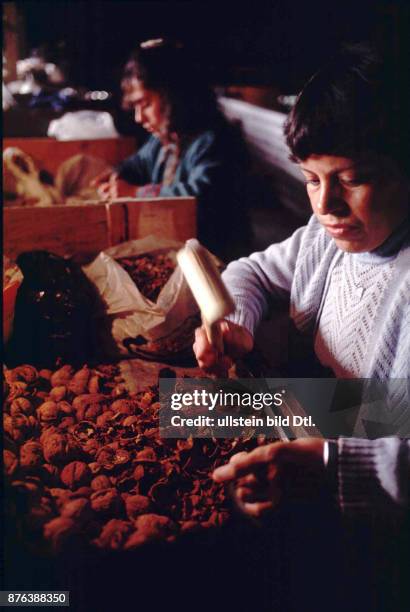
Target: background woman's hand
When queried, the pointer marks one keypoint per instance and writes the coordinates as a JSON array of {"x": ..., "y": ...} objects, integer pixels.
[
  {"x": 237, "y": 341},
  {"x": 109, "y": 186},
  {"x": 292, "y": 470}
]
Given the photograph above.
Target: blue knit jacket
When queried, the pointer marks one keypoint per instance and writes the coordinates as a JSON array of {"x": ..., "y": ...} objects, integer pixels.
[{"x": 212, "y": 168}]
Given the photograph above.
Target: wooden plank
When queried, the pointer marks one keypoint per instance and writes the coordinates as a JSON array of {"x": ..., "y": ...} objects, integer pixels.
[
  {"x": 165, "y": 217},
  {"x": 64, "y": 230},
  {"x": 87, "y": 230},
  {"x": 49, "y": 153}
]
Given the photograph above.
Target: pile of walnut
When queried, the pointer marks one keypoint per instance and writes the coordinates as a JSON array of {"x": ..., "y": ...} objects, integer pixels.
[
  {"x": 149, "y": 272},
  {"x": 84, "y": 462}
]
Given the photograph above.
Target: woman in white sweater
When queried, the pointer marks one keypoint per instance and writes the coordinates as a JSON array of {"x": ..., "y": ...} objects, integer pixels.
[{"x": 346, "y": 278}]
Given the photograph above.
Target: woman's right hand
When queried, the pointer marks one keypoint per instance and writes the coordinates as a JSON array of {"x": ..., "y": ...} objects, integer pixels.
[
  {"x": 237, "y": 341},
  {"x": 105, "y": 183}
]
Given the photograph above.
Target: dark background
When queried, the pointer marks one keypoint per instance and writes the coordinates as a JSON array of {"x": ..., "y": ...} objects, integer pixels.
[{"x": 276, "y": 43}]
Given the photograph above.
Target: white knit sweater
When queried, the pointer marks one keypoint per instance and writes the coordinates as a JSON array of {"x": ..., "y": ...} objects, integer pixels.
[{"x": 299, "y": 271}]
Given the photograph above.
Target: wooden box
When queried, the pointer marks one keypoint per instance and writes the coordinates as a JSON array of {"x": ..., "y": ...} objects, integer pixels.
[{"x": 49, "y": 153}]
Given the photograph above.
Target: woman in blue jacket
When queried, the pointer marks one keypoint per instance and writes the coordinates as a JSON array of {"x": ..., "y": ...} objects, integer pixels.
[{"x": 192, "y": 151}]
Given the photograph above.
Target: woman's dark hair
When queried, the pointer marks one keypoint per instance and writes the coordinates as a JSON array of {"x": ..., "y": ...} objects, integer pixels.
[
  {"x": 167, "y": 68},
  {"x": 349, "y": 107}
]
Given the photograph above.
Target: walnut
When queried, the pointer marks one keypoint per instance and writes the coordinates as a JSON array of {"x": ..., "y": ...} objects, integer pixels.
[
  {"x": 48, "y": 412},
  {"x": 151, "y": 527},
  {"x": 139, "y": 473},
  {"x": 136, "y": 505},
  {"x": 47, "y": 432},
  {"x": 104, "y": 418},
  {"x": 24, "y": 373},
  {"x": 18, "y": 426},
  {"x": 31, "y": 455},
  {"x": 114, "y": 534},
  {"x": 79, "y": 382},
  {"x": 95, "y": 384},
  {"x": 60, "y": 496},
  {"x": 75, "y": 474},
  {"x": 17, "y": 389},
  {"x": 90, "y": 413},
  {"x": 40, "y": 514},
  {"x": 8, "y": 424},
  {"x": 91, "y": 447},
  {"x": 58, "y": 393},
  {"x": 81, "y": 492},
  {"x": 190, "y": 526},
  {"x": 146, "y": 455},
  {"x": 21, "y": 404},
  {"x": 86, "y": 399},
  {"x": 125, "y": 406},
  {"x": 11, "y": 462},
  {"x": 50, "y": 474},
  {"x": 129, "y": 421},
  {"x": 106, "y": 501},
  {"x": 54, "y": 447},
  {"x": 27, "y": 490},
  {"x": 66, "y": 422},
  {"x": 65, "y": 408},
  {"x": 62, "y": 376},
  {"x": 77, "y": 509},
  {"x": 45, "y": 373},
  {"x": 60, "y": 531},
  {"x": 100, "y": 482}
]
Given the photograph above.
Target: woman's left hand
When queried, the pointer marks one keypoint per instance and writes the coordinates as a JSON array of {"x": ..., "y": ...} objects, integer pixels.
[{"x": 292, "y": 470}]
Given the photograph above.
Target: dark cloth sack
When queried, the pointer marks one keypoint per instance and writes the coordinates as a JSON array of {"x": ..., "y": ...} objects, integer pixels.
[{"x": 53, "y": 314}]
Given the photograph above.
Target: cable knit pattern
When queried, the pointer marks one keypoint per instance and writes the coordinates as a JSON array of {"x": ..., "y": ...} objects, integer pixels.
[
  {"x": 355, "y": 292},
  {"x": 374, "y": 340}
]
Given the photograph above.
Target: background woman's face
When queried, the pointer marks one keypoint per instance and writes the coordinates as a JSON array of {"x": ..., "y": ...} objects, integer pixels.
[
  {"x": 359, "y": 202},
  {"x": 148, "y": 108}
]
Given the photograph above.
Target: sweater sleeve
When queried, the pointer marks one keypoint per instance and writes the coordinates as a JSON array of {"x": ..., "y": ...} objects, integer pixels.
[
  {"x": 373, "y": 475},
  {"x": 137, "y": 169},
  {"x": 259, "y": 281}
]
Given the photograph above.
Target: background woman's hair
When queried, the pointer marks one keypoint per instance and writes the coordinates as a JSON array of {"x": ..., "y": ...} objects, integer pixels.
[
  {"x": 166, "y": 67},
  {"x": 349, "y": 107}
]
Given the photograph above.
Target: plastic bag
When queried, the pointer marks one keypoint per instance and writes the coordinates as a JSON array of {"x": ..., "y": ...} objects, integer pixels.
[
  {"x": 54, "y": 312},
  {"x": 24, "y": 181},
  {"x": 83, "y": 125},
  {"x": 74, "y": 176},
  {"x": 140, "y": 325}
]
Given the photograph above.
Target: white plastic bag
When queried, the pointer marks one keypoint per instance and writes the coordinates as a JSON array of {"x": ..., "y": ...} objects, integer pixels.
[
  {"x": 83, "y": 125},
  {"x": 132, "y": 314}
]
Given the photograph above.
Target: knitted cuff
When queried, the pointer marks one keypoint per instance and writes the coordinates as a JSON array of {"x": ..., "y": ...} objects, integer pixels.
[{"x": 368, "y": 474}]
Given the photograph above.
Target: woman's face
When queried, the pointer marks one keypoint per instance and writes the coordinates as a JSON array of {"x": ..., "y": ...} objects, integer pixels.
[
  {"x": 148, "y": 108},
  {"x": 359, "y": 202}
]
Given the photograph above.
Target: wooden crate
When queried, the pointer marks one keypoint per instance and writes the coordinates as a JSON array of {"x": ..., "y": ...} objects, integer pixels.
[
  {"x": 86, "y": 230},
  {"x": 49, "y": 153}
]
